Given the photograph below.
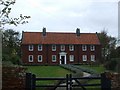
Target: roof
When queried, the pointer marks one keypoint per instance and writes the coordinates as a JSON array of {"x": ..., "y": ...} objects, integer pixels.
[{"x": 59, "y": 38}]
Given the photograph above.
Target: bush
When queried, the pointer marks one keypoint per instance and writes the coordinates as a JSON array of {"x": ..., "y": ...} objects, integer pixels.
[{"x": 112, "y": 64}]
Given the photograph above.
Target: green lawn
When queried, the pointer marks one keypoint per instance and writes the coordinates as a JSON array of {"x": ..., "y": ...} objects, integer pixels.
[
  {"x": 48, "y": 71},
  {"x": 99, "y": 69}
]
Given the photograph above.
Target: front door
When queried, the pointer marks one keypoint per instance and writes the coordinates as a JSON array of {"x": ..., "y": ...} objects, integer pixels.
[{"x": 62, "y": 59}]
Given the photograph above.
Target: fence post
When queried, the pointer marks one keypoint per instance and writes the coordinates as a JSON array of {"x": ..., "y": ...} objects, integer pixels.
[
  {"x": 67, "y": 78},
  {"x": 105, "y": 82},
  {"x": 28, "y": 81},
  {"x": 33, "y": 82},
  {"x": 70, "y": 82}
]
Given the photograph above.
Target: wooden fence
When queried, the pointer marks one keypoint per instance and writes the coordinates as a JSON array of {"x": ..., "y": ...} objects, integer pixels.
[{"x": 31, "y": 80}]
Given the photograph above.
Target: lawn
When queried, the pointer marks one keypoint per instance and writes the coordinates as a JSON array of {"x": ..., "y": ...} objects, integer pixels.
[
  {"x": 48, "y": 71},
  {"x": 99, "y": 69}
]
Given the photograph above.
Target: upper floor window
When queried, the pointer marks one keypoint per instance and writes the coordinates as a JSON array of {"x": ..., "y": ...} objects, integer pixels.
[
  {"x": 92, "y": 57},
  {"x": 39, "y": 58},
  {"x": 30, "y": 58},
  {"x": 71, "y": 58},
  {"x": 62, "y": 47},
  {"x": 30, "y": 47},
  {"x": 84, "y": 57},
  {"x": 92, "y": 47},
  {"x": 71, "y": 47},
  {"x": 53, "y": 58},
  {"x": 84, "y": 47},
  {"x": 53, "y": 47},
  {"x": 39, "y": 47}
]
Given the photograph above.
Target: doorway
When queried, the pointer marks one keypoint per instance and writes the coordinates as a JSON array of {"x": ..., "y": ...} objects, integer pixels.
[{"x": 62, "y": 59}]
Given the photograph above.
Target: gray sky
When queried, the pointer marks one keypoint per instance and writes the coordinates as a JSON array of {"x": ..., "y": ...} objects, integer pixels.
[{"x": 67, "y": 15}]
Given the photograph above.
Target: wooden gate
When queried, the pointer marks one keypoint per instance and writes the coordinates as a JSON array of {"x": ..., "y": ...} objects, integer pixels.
[{"x": 68, "y": 80}]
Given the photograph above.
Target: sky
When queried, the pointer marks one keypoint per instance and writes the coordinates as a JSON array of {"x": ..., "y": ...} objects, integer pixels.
[{"x": 66, "y": 15}]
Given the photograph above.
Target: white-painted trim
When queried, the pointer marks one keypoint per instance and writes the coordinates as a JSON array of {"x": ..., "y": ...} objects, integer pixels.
[{"x": 63, "y": 54}]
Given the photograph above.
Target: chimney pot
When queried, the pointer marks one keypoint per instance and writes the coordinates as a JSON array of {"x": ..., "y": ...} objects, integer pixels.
[
  {"x": 44, "y": 31},
  {"x": 78, "y": 32}
]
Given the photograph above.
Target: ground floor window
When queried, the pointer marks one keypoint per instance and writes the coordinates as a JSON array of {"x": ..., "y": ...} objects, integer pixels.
[
  {"x": 30, "y": 58},
  {"x": 53, "y": 58},
  {"x": 39, "y": 58},
  {"x": 84, "y": 57},
  {"x": 71, "y": 58},
  {"x": 92, "y": 57}
]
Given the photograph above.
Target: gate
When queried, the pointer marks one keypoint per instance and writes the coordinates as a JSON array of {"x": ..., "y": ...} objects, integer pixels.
[{"x": 31, "y": 82}]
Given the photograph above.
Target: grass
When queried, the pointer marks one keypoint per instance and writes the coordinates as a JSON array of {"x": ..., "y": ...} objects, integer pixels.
[
  {"x": 99, "y": 69},
  {"x": 48, "y": 71}
]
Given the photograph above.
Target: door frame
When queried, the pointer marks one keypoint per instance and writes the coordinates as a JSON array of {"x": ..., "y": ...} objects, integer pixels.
[{"x": 63, "y": 54}]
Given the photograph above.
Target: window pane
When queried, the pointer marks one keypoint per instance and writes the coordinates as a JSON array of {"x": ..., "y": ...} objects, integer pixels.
[
  {"x": 39, "y": 58},
  {"x": 84, "y": 47},
  {"x": 53, "y": 47},
  {"x": 54, "y": 58},
  {"x": 39, "y": 47},
  {"x": 30, "y": 58},
  {"x": 62, "y": 47},
  {"x": 30, "y": 47}
]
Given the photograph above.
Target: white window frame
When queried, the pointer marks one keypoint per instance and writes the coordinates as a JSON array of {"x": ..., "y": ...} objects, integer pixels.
[
  {"x": 39, "y": 47},
  {"x": 62, "y": 47},
  {"x": 31, "y": 47},
  {"x": 53, "y": 47},
  {"x": 71, "y": 58},
  {"x": 30, "y": 56},
  {"x": 84, "y": 47},
  {"x": 53, "y": 56},
  {"x": 92, "y": 47},
  {"x": 39, "y": 58},
  {"x": 71, "y": 47},
  {"x": 92, "y": 57},
  {"x": 84, "y": 57}
]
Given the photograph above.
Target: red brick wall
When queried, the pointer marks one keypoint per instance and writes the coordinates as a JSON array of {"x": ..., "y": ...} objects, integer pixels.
[{"x": 47, "y": 54}]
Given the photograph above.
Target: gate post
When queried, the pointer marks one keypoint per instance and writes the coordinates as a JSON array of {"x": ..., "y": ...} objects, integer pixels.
[
  {"x": 70, "y": 82},
  {"x": 67, "y": 78},
  {"x": 28, "y": 81},
  {"x": 33, "y": 82},
  {"x": 105, "y": 82}
]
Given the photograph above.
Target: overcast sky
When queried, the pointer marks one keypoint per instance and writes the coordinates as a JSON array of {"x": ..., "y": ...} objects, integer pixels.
[{"x": 66, "y": 15}]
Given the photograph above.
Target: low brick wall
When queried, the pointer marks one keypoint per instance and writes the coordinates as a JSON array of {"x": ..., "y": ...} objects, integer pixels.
[{"x": 13, "y": 78}]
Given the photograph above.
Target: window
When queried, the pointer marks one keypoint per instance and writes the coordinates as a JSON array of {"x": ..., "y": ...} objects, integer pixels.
[
  {"x": 84, "y": 57},
  {"x": 53, "y": 47},
  {"x": 30, "y": 58},
  {"x": 62, "y": 47},
  {"x": 92, "y": 47},
  {"x": 92, "y": 57},
  {"x": 30, "y": 47},
  {"x": 84, "y": 47},
  {"x": 39, "y": 58},
  {"x": 54, "y": 58},
  {"x": 39, "y": 47},
  {"x": 71, "y": 47},
  {"x": 71, "y": 58}
]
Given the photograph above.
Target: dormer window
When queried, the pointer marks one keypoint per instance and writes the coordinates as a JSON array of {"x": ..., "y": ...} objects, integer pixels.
[
  {"x": 92, "y": 48},
  {"x": 53, "y": 47},
  {"x": 39, "y": 47},
  {"x": 71, "y": 47},
  {"x": 30, "y": 47},
  {"x": 84, "y": 47},
  {"x": 62, "y": 47}
]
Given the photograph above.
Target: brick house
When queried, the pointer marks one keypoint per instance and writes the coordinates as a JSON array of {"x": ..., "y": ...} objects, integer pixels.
[{"x": 52, "y": 48}]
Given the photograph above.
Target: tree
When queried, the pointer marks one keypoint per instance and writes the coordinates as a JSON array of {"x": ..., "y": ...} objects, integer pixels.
[
  {"x": 108, "y": 45},
  {"x": 11, "y": 46},
  {"x": 6, "y": 10}
]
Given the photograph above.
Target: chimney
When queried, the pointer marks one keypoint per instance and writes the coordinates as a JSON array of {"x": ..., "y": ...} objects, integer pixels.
[
  {"x": 78, "y": 32},
  {"x": 44, "y": 31}
]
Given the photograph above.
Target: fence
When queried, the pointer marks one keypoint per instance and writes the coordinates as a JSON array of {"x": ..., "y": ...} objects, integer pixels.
[{"x": 31, "y": 82}]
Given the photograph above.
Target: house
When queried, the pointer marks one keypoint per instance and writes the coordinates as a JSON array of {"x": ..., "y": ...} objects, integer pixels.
[{"x": 53, "y": 48}]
